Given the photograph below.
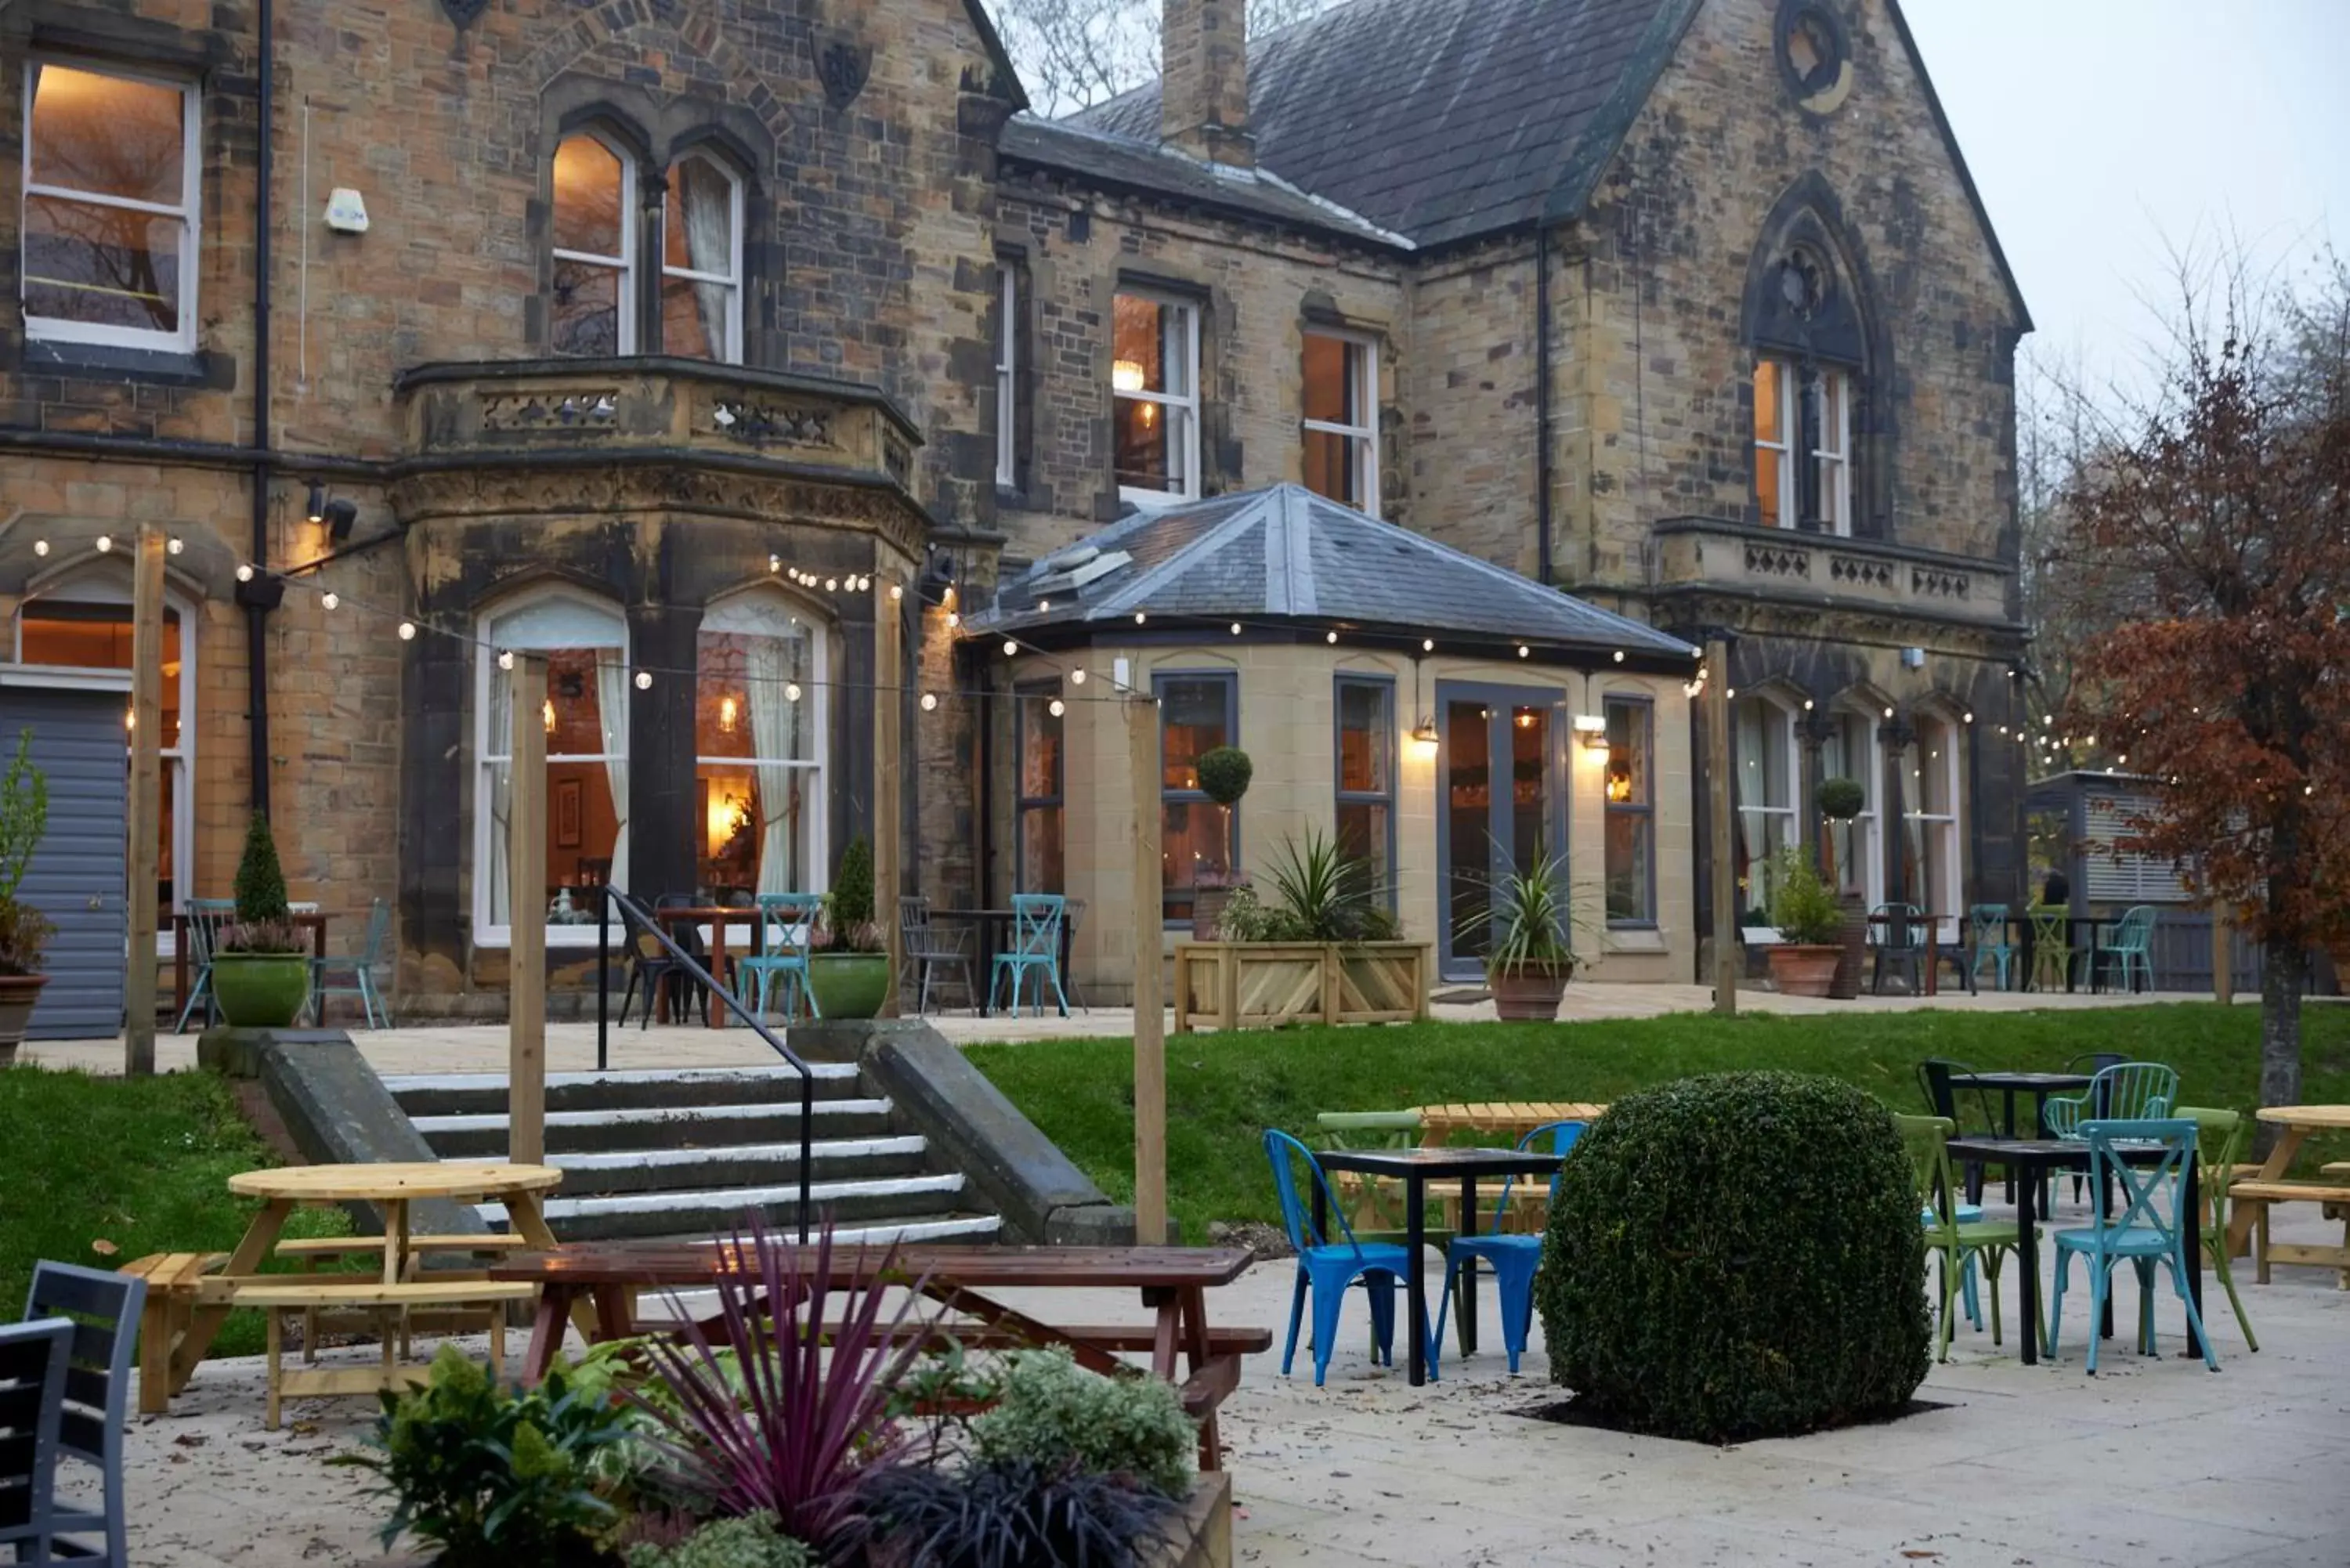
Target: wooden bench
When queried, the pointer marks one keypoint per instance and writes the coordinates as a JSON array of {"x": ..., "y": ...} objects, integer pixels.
[
  {"x": 2334, "y": 1200},
  {"x": 316, "y": 1249},
  {"x": 298, "y": 1293},
  {"x": 173, "y": 1280}
]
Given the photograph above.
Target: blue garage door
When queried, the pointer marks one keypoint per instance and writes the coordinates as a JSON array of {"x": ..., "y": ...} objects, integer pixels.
[{"x": 78, "y": 873}]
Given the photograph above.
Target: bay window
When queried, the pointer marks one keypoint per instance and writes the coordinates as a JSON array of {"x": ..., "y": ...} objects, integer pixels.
[
  {"x": 1155, "y": 398},
  {"x": 1631, "y": 812},
  {"x": 112, "y": 195},
  {"x": 1366, "y": 781},
  {"x": 758, "y": 726},
  {"x": 1197, "y": 713},
  {"x": 1341, "y": 424},
  {"x": 1803, "y": 447}
]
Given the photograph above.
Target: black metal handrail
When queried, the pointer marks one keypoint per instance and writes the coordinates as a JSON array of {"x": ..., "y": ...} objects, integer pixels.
[{"x": 635, "y": 914}]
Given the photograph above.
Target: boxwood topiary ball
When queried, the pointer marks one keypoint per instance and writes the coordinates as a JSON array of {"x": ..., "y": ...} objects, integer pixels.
[{"x": 1737, "y": 1256}]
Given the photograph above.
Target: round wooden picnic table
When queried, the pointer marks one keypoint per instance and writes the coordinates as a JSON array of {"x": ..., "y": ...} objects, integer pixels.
[{"x": 391, "y": 1187}]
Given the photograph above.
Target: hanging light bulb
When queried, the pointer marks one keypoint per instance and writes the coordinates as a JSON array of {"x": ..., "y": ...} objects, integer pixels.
[
  {"x": 929, "y": 701},
  {"x": 1056, "y": 707},
  {"x": 644, "y": 680},
  {"x": 832, "y": 585},
  {"x": 1732, "y": 694},
  {"x": 1140, "y": 616},
  {"x": 175, "y": 545},
  {"x": 506, "y": 658},
  {"x": 791, "y": 691},
  {"x": 244, "y": 573},
  {"x": 1236, "y": 629},
  {"x": 896, "y": 592},
  {"x": 1524, "y": 652},
  {"x": 1428, "y": 645},
  {"x": 40, "y": 547},
  {"x": 1889, "y": 712},
  {"x": 775, "y": 563},
  {"x": 330, "y": 599},
  {"x": 1807, "y": 704},
  {"x": 1971, "y": 718},
  {"x": 1077, "y": 676},
  {"x": 408, "y": 631},
  {"x": 105, "y": 543},
  {"x": 1620, "y": 658},
  {"x": 1043, "y": 606},
  {"x": 953, "y": 620},
  {"x": 1333, "y": 637},
  {"x": 1010, "y": 647}
]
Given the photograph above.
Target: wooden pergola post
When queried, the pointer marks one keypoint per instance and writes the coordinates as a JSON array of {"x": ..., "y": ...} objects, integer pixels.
[
  {"x": 1716, "y": 697},
  {"x": 526, "y": 899},
  {"x": 1149, "y": 1022},
  {"x": 888, "y": 747},
  {"x": 146, "y": 797}
]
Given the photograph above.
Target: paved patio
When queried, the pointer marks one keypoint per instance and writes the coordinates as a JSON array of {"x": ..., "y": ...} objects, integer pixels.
[
  {"x": 571, "y": 1047},
  {"x": 2151, "y": 1462}
]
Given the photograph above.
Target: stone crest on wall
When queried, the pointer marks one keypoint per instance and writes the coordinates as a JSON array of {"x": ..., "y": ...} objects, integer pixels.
[
  {"x": 464, "y": 13},
  {"x": 842, "y": 66}
]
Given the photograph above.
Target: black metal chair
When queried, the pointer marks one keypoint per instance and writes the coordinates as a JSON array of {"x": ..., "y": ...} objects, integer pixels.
[
  {"x": 105, "y": 1310},
  {"x": 33, "y": 1361},
  {"x": 930, "y": 946},
  {"x": 663, "y": 979},
  {"x": 1900, "y": 936},
  {"x": 1073, "y": 914},
  {"x": 1948, "y": 1100}
]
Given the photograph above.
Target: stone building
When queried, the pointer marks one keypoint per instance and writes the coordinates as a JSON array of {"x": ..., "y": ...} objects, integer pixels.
[{"x": 666, "y": 337}]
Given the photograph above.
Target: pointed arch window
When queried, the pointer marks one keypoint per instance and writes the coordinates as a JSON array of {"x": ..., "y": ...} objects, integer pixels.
[
  {"x": 594, "y": 309},
  {"x": 1802, "y": 446},
  {"x": 701, "y": 262}
]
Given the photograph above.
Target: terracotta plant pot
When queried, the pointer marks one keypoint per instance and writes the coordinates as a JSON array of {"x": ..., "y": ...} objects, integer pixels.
[
  {"x": 1529, "y": 994},
  {"x": 18, "y": 993},
  {"x": 1801, "y": 970},
  {"x": 849, "y": 985},
  {"x": 262, "y": 990}
]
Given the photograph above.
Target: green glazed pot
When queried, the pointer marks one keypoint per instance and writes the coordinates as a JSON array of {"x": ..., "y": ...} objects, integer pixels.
[
  {"x": 261, "y": 991},
  {"x": 849, "y": 985}
]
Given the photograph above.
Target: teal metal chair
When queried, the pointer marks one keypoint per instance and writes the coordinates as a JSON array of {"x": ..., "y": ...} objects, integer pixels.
[
  {"x": 1513, "y": 1258},
  {"x": 1036, "y": 950},
  {"x": 355, "y": 975},
  {"x": 780, "y": 936},
  {"x": 2120, "y": 1091},
  {"x": 206, "y": 919},
  {"x": 2132, "y": 948},
  {"x": 1325, "y": 1269},
  {"x": 1987, "y": 941},
  {"x": 2150, "y": 1229}
]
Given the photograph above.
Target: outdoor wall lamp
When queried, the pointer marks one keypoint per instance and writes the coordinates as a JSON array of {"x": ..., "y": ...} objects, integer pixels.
[
  {"x": 1590, "y": 728},
  {"x": 1423, "y": 739},
  {"x": 341, "y": 517}
]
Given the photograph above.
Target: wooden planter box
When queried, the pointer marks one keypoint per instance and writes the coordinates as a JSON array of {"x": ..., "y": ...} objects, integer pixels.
[{"x": 1259, "y": 985}]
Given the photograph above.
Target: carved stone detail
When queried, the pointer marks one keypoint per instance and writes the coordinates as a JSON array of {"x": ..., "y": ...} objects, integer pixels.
[
  {"x": 1778, "y": 561},
  {"x": 842, "y": 66},
  {"x": 585, "y": 412},
  {"x": 1860, "y": 571},
  {"x": 756, "y": 422},
  {"x": 464, "y": 13},
  {"x": 897, "y": 458},
  {"x": 1928, "y": 582}
]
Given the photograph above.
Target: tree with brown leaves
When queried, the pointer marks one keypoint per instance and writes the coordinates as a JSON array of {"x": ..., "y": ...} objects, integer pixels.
[{"x": 2214, "y": 529}]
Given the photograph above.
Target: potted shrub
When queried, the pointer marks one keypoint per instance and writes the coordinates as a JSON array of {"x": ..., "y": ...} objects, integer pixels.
[
  {"x": 850, "y": 969},
  {"x": 1841, "y": 800},
  {"x": 262, "y": 973},
  {"x": 1225, "y": 775},
  {"x": 1809, "y": 920},
  {"x": 1532, "y": 955},
  {"x": 23, "y": 818}
]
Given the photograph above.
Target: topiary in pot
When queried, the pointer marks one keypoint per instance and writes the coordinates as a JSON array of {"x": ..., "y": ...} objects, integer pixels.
[
  {"x": 850, "y": 975},
  {"x": 1224, "y": 773},
  {"x": 1737, "y": 1256},
  {"x": 262, "y": 973}
]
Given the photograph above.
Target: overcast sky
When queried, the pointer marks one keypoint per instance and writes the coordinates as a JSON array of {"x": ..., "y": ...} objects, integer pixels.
[{"x": 2102, "y": 133}]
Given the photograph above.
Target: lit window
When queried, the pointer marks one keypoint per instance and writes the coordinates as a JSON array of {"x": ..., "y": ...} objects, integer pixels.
[
  {"x": 758, "y": 728},
  {"x": 1041, "y": 867},
  {"x": 1790, "y": 418},
  {"x": 1762, "y": 745},
  {"x": 585, "y": 644},
  {"x": 1366, "y": 779},
  {"x": 594, "y": 250},
  {"x": 1932, "y": 819},
  {"x": 1155, "y": 387},
  {"x": 1342, "y": 418},
  {"x": 701, "y": 263},
  {"x": 1197, "y": 713},
  {"x": 110, "y": 189},
  {"x": 1631, "y": 814},
  {"x": 1007, "y": 377}
]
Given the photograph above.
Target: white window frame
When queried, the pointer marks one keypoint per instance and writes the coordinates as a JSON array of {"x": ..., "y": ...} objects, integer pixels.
[
  {"x": 737, "y": 614},
  {"x": 491, "y": 752},
  {"x": 98, "y": 586},
  {"x": 731, "y": 351},
  {"x": 1784, "y": 717},
  {"x": 1187, "y": 404},
  {"x": 1833, "y": 457},
  {"x": 56, "y": 329},
  {"x": 1867, "y": 770},
  {"x": 1362, "y": 439},
  {"x": 1948, "y": 892},
  {"x": 624, "y": 335},
  {"x": 1007, "y": 378}
]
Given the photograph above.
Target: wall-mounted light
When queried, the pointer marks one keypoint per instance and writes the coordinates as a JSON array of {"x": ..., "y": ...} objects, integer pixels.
[
  {"x": 341, "y": 515},
  {"x": 1590, "y": 728},
  {"x": 1423, "y": 739},
  {"x": 316, "y": 511}
]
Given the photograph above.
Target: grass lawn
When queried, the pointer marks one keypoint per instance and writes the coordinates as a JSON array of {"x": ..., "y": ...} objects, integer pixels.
[
  {"x": 1224, "y": 1090},
  {"x": 139, "y": 1164}
]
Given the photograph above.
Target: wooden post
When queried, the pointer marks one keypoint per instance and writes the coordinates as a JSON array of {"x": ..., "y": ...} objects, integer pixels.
[
  {"x": 146, "y": 797},
  {"x": 526, "y": 895},
  {"x": 2223, "y": 953},
  {"x": 888, "y": 737},
  {"x": 1716, "y": 697},
  {"x": 1150, "y": 1024}
]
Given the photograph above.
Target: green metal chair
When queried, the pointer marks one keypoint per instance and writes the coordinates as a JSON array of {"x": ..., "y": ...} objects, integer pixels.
[
  {"x": 355, "y": 975},
  {"x": 2133, "y": 945},
  {"x": 1959, "y": 1243},
  {"x": 206, "y": 918},
  {"x": 2219, "y": 1139},
  {"x": 1986, "y": 943},
  {"x": 2051, "y": 947}
]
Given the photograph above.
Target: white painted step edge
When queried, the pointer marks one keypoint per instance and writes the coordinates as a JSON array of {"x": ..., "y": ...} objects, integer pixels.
[
  {"x": 734, "y": 1198},
  {"x": 821, "y": 1148},
  {"x": 650, "y": 1115},
  {"x": 398, "y": 1083}
]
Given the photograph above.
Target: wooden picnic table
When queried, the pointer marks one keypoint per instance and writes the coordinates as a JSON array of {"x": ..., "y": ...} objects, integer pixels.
[
  {"x": 2253, "y": 1195},
  {"x": 175, "y": 1333},
  {"x": 1513, "y": 1117},
  {"x": 1173, "y": 1281}
]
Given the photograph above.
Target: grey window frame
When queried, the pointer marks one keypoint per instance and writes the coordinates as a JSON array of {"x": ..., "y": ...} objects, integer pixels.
[
  {"x": 1023, "y": 803},
  {"x": 1645, "y": 810},
  {"x": 1342, "y": 797},
  {"x": 1230, "y": 679}
]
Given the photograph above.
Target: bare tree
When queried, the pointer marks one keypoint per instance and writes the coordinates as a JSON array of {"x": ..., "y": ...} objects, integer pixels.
[{"x": 1074, "y": 54}]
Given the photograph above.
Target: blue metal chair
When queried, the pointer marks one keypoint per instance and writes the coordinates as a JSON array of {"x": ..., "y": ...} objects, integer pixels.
[
  {"x": 104, "y": 1311},
  {"x": 2120, "y": 1091},
  {"x": 1328, "y": 1269},
  {"x": 1987, "y": 940},
  {"x": 2133, "y": 946},
  {"x": 1036, "y": 950},
  {"x": 206, "y": 919},
  {"x": 355, "y": 975},
  {"x": 2150, "y": 1231},
  {"x": 785, "y": 923},
  {"x": 1513, "y": 1257},
  {"x": 32, "y": 1357}
]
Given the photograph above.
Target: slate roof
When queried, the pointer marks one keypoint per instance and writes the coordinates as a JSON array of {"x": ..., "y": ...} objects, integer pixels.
[
  {"x": 1145, "y": 166},
  {"x": 1442, "y": 119},
  {"x": 1285, "y": 554}
]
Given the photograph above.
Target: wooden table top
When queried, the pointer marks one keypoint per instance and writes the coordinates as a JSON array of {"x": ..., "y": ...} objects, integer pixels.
[
  {"x": 694, "y": 1264},
  {"x": 2021, "y": 1080},
  {"x": 1427, "y": 1162},
  {"x": 1522, "y": 1115},
  {"x": 394, "y": 1182},
  {"x": 2319, "y": 1117},
  {"x": 2048, "y": 1151}
]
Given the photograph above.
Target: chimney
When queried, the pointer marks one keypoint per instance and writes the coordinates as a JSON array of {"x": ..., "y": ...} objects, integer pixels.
[{"x": 1203, "y": 92}]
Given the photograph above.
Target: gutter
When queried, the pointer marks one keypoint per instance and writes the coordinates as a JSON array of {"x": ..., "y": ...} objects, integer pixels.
[
  {"x": 258, "y": 605},
  {"x": 1542, "y": 403}
]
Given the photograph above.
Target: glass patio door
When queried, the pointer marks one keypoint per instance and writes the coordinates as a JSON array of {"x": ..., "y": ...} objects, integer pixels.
[{"x": 1501, "y": 766}]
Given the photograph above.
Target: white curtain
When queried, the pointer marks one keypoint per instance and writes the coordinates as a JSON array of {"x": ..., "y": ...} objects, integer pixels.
[
  {"x": 613, "y": 709},
  {"x": 709, "y": 207},
  {"x": 766, "y": 666}
]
